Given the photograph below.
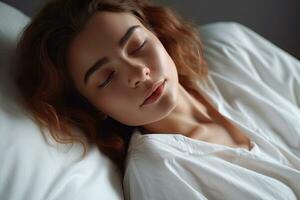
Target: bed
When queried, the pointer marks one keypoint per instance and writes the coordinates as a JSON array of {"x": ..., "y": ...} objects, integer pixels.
[{"x": 34, "y": 167}]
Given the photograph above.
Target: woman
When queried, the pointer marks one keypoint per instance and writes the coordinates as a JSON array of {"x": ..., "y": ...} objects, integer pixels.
[
  {"x": 111, "y": 68},
  {"x": 60, "y": 92}
]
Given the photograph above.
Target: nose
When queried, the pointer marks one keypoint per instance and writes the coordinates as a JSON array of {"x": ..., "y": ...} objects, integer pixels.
[{"x": 137, "y": 74}]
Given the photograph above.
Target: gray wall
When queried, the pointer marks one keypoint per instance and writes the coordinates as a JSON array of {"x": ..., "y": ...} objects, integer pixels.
[
  {"x": 29, "y": 7},
  {"x": 276, "y": 20}
]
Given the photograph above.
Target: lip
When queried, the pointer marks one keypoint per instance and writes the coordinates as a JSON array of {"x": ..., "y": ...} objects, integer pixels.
[{"x": 153, "y": 89}]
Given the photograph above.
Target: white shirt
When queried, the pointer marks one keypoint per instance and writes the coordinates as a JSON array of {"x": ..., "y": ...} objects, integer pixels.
[{"x": 256, "y": 86}]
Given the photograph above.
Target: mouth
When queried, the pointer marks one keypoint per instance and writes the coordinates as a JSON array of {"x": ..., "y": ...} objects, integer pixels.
[{"x": 155, "y": 93}]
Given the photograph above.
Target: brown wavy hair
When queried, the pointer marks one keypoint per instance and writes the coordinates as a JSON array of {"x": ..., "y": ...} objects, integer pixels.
[{"x": 45, "y": 84}]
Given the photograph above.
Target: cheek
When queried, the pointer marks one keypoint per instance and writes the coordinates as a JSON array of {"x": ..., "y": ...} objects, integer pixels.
[
  {"x": 164, "y": 60},
  {"x": 161, "y": 51},
  {"x": 122, "y": 109},
  {"x": 115, "y": 101}
]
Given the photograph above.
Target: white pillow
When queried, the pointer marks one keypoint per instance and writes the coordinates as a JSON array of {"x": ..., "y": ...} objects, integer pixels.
[
  {"x": 30, "y": 168},
  {"x": 228, "y": 45}
]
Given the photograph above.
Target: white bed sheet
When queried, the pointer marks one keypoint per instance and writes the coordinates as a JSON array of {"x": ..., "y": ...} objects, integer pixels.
[{"x": 256, "y": 86}]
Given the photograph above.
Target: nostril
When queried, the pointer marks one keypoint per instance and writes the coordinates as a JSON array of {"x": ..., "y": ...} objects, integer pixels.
[{"x": 146, "y": 69}]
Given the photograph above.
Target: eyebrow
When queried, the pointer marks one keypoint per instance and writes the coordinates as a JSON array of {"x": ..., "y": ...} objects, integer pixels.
[{"x": 105, "y": 60}]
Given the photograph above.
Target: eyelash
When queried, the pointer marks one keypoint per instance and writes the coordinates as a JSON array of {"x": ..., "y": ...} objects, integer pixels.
[
  {"x": 107, "y": 80},
  {"x": 110, "y": 76},
  {"x": 141, "y": 47}
]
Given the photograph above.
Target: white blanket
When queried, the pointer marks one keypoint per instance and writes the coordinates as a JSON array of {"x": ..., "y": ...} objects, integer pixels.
[{"x": 256, "y": 86}]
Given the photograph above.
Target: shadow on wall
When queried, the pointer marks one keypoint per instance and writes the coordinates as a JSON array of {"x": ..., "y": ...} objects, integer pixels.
[{"x": 276, "y": 20}]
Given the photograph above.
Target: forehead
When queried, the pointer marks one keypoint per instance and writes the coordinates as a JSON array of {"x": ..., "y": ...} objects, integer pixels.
[
  {"x": 104, "y": 28},
  {"x": 109, "y": 24},
  {"x": 101, "y": 33}
]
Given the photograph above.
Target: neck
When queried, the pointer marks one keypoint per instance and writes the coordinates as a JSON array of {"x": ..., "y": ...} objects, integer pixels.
[{"x": 188, "y": 114}]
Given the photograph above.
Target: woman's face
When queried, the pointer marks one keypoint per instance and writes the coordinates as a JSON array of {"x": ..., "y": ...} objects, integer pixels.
[{"x": 114, "y": 61}]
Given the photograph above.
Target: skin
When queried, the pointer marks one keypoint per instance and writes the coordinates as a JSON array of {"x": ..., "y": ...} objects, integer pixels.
[{"x": 176, "y": 111}]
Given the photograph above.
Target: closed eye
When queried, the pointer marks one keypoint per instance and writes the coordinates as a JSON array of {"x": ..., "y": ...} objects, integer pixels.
[
  {"x": 110, "y": 76},
  {"x": 107, "y": 80},
  {"x": 141, "y": 47}
]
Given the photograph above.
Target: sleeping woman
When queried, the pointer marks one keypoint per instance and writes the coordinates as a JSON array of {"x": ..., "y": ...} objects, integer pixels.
[{"x": 133, "y": 78}]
